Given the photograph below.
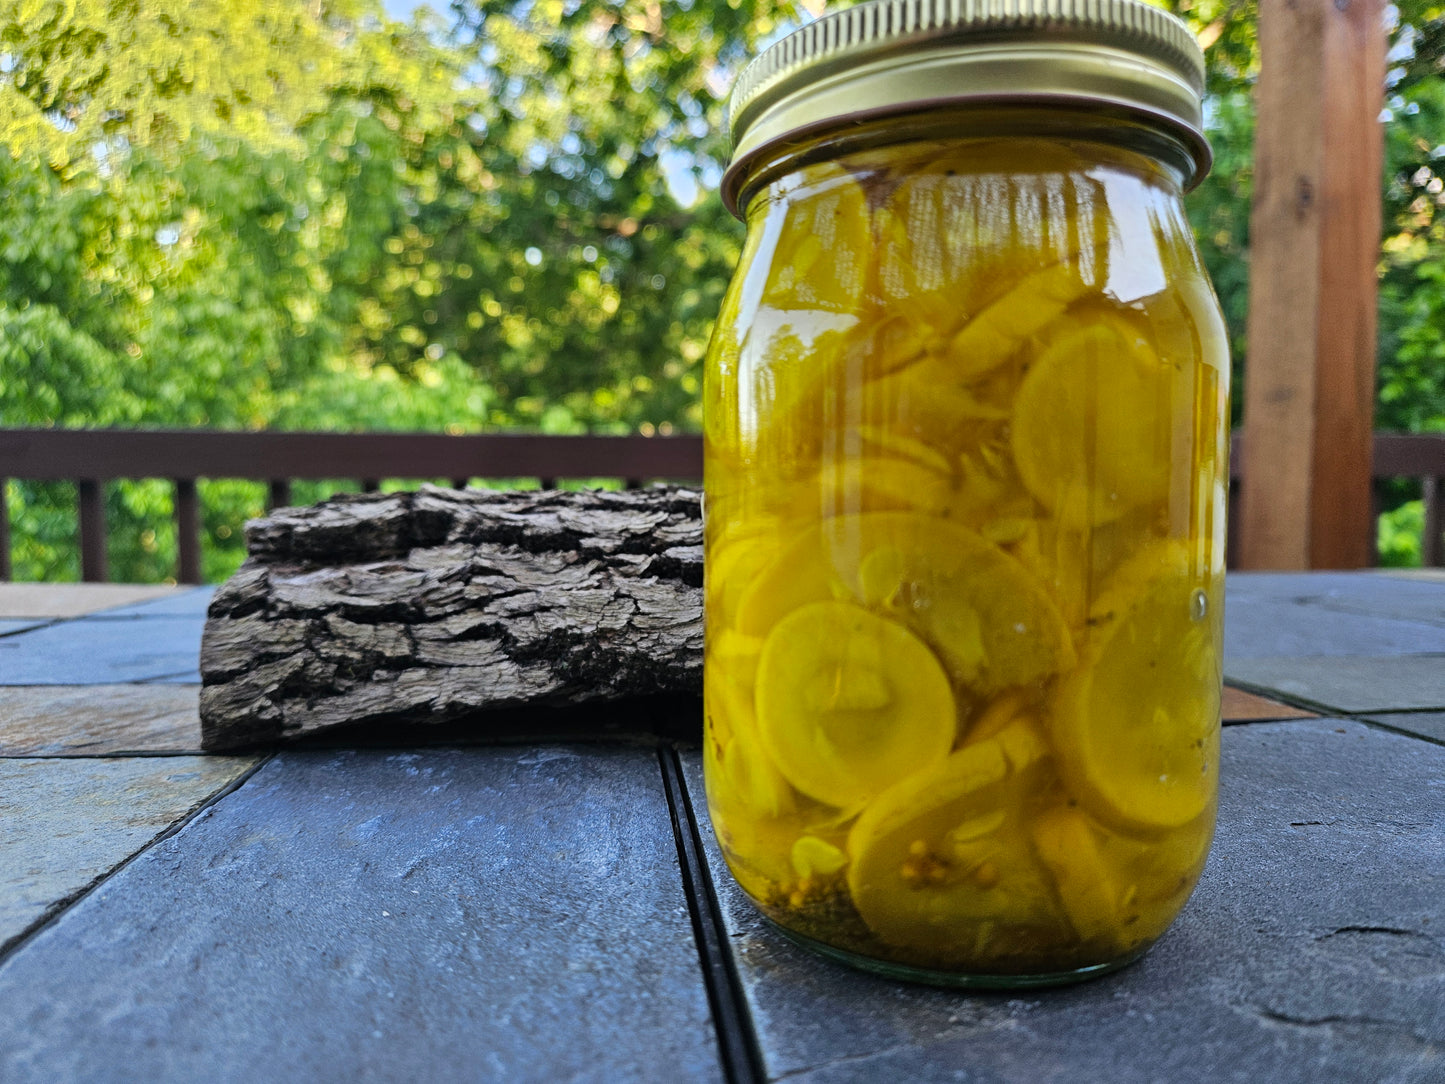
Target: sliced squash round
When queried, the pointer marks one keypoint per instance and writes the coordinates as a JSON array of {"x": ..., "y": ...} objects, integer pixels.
[
  {"x": 939, "y": 862},
  {"x": 977, "y": 607},
  {"x": 877, "y": 483},
  {"x": 1002, "y": 328},
  {"x": 849, "y": 703},
  {"x": 742, "y": 778},
  {"x": 1155, "y": 876},
  {"x": 733, "y": 563},
  {"x": 796, "y": 576},
  {"x": 1136, "y": 726},
  {"x": 1092, "y": 425},
  {"x": 925, "y": 405}
]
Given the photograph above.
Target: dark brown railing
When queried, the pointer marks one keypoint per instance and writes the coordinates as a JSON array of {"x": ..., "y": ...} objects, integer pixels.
[{"x": 90, "y": 458}]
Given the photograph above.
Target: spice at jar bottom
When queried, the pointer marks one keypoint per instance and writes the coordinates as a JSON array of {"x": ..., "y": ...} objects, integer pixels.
[{"x": 966, "y": 455}]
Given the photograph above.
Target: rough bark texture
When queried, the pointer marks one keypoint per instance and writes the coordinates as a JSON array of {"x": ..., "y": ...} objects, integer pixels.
[{"x": 429, "y": 607}]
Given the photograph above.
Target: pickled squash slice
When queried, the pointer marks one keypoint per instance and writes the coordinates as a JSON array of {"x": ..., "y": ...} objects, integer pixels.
[
  {"x": 849, "y": 703},
  {"x": 985, "y": 616},
  {"x": 1136, "y": 727},
  {"x": 939, "y": 860},
  {"x": 1086, "y": 886},
  {"x": 733, "y": 562},
  {"x": 824, "y": 245},
  {"x": 1091, "y": 432},
  {"x": 749, "y": 801},
  {"x": 795, "y": 577},
  {"x": 742, "y": 775},
  {"x": 876, "y": 484},
  {"x": 1001, "y": 329}
]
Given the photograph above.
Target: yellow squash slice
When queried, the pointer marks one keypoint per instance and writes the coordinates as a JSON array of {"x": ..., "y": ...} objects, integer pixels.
[
  {"x": 741, "y": 775},
  {"x": 990, "y": 623},
  {"x": 876, "y": 483},
  {"x": 795, "y": 577},
  {"x": 939, "y": 862},
  {"x": 879, "y": 440},
  {"x": 1155, "y": 876},
  {"x": 1064, "y": 840},
  {"x": 1091, "y": 424},
  {"x": 849, "y": 703},
  {"x": 925, "y": 405},
  {"x": 1001, "y": 329},
  {"x": 751, "y": 805},
  {"x": 1136, "y": 727},
  {"x": 824, "y": 245},
  {"x": 732, "y": 564}
]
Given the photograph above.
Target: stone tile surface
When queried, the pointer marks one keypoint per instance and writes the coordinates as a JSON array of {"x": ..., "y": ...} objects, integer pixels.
[
  {"x": 1426, "y": 724},
  {"x": 1266, "y": 627},
  {"x": 1239, "y": 706},
  {"x": 1313, "y": 949},
  {"x": 64, "y": 823},
  {"x": 91, "y": 720},
  {"x": 1430, "y": 575},
  {"x": 1349, "y": 684},
  {"x": 90, "y": 651},
  {"x": 480, "y": 914},
  {"x": 1367, "y": 594},
  {"x": 75, "y": 599},
  {"x": 183, "y": 602}
]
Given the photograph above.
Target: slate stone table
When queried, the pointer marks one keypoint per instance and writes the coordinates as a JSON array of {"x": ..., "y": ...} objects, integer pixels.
[{"x": 557, "y": 911}]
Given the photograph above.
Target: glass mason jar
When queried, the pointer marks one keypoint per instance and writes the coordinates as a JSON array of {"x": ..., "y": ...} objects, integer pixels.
[{"x": 966, "y": 461}]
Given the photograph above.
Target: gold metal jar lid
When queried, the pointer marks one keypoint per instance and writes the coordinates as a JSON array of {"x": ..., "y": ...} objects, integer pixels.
[{"x": 887, "y": 57}]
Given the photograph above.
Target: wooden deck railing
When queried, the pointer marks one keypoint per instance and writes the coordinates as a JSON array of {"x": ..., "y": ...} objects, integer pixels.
[{"x": 90, "y": 458}]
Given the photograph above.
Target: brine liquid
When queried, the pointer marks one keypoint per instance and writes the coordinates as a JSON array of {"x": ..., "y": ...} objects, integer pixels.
[{"x": 966, "y": 466}]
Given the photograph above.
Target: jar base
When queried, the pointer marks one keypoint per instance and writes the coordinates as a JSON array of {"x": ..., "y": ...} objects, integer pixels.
[{"x": 957, "y": 980}]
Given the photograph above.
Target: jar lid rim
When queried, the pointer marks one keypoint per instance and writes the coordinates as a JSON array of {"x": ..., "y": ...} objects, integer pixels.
[{"x": 883, "y": 55}]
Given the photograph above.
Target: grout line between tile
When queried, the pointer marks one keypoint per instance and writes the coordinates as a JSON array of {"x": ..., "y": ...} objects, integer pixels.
[
  {"x": 1326, "y": 712},
  {"x": 1388, "y": 729},
  {"x": 1291, "y": 699},
  {"x": 57, "y": 910},
  {"x": 737, "y": 1041},
  {"x": 40, "y": 623}
]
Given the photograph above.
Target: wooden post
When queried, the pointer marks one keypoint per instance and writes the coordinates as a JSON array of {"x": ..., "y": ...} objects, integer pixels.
[
  {"x": 5, "y": 568},
  {"x": 94, "y": 566},
  {"x": 1432, "y": 548},
  {"x": 188, "y": 531},
  {"x": 278, "y": 493},
  {"x": 1314, "y": 243}
]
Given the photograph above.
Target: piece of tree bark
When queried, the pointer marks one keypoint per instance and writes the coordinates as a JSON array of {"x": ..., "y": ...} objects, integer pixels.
[{"x": 425, "y": 608}]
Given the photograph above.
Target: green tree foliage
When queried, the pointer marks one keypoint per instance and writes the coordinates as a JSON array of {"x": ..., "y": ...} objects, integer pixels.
[
  {"x": 1412, "y": 280},
  {"x": 84, "y": 73},
  {"x": 307, "y": 216}
]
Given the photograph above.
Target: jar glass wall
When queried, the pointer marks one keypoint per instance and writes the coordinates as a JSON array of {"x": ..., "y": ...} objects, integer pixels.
[{"x": 966, "y": 463}]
